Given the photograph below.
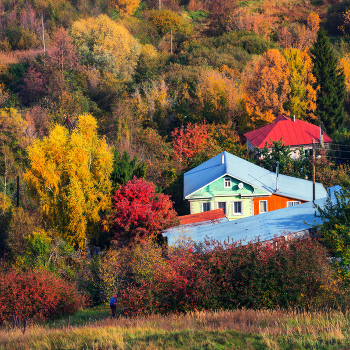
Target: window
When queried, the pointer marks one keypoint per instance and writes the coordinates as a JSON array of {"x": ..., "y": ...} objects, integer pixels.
[
  {"x": 237, "y": 208},
  {"x": 262, "y": 207},
  {"x": 227, "y": 182},
  {"x": 222, "y": 205},
  {"x": 292, "y": 203},
  {"x": 206, "y": 206}
]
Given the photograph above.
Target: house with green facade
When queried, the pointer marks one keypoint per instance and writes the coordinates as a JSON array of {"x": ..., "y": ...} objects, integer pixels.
[{"x": 242, "y": 188}]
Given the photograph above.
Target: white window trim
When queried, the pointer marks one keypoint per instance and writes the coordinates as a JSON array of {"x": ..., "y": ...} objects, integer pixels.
[
  {"x": 227, "y": 178},
  {"x": 298, "y": 202},
  {"x": 233, "y": 208},
  {"x": 267, "y": 209},
  {"x": 203, "y": 208}
]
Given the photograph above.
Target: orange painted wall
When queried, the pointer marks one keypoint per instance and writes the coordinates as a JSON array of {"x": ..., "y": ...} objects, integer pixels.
[{"x": 273, "y": 202}]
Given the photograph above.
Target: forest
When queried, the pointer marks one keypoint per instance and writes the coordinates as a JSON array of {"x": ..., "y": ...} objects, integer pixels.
[{"x": 105, "y": 104}]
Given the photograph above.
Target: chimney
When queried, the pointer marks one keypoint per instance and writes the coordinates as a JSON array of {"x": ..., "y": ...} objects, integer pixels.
[
  {"x": 277, "y": 171},
  {"x": 294, "y": 118},
  {"x": 222, "y": 159}
]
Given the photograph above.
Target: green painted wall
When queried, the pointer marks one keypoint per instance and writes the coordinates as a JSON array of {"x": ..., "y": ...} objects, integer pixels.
[{"x": 216, "y": 192}]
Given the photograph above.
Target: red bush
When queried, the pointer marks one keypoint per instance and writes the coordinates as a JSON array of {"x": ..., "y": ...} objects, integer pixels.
[
  {"x": 290, "y": 274},
  {"x": 37, "y": 295}
]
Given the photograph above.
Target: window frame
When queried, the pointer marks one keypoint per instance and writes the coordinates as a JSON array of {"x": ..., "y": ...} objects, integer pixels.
[
  {"x": 296, "y": 203},
  {"x": 262, "y": 212},
  {"x": 217, "y": 206},
  {"x": 230, "y": 182},
  {"x": 233, "y": 208},
  {"x": 203, "y": 211}
]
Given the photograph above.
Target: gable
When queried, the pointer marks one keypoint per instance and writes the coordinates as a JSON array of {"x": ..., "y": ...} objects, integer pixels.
[{"x": 217, "y": 188}]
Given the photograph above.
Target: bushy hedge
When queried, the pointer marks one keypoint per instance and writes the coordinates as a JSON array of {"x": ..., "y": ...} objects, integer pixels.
[
  {"x": 287, "y": 274},
  {"x": 36, "y": 295}
]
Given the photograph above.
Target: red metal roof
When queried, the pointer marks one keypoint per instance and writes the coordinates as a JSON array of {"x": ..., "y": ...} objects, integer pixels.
[
  {"x": 205, "y": 216},
  {"x": 293, "y": 133}
]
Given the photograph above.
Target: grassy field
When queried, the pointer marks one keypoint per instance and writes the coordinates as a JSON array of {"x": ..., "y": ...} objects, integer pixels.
[{"x": 239, "y": 329}]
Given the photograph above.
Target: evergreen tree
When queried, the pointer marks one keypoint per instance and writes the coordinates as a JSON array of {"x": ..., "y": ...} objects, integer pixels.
[
  {"x": 125, "y": 169},
  {"x": 331, "y": 81}
]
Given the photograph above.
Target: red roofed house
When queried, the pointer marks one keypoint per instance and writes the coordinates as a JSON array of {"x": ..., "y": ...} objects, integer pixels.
[{"x": 294, "y": 133}]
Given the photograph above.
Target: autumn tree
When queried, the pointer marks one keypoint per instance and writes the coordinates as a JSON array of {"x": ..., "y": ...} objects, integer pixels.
[
  {"x": 302, "y": 102},
  {"x": 69, "y": 173},
  {"x": 192, "y": 145},
  {"x": 330, "y": 82},
  {"x": 13, "y": 143},
  {"x": 127, "y": 7},
  {"x": 165, "y": 20},
  {"x": 266, "y": 88},
  {"x": 139, "y": 212},
  {"x": 218, "y": 95},
  {"x": 106, "y": 45}
]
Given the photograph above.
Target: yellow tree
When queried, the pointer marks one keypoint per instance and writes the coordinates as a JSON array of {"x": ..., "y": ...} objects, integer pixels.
[
  {"x": 69, "y": 174},
  {"x": 266, "y": 87},
  {"x": 106, "y": 45},
  {"x": 127, "y": 7},
  {"x": 302, "y": 102}
]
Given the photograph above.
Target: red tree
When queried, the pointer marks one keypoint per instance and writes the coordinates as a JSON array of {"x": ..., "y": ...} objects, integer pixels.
[
  {"x": 189, "y": 142},
  {"x": 140, "y": 212}
]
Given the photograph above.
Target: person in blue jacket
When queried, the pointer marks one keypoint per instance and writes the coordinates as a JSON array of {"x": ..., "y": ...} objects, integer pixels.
[{"x": 113, "y": 304}]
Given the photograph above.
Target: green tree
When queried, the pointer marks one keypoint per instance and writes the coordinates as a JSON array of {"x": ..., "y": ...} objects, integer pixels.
[
  {"x": 335, "y": 230},
  {"x": 300, "y": 167},
  {"x": 124, "y": 169},
  {"x": 330, "y": 82}
]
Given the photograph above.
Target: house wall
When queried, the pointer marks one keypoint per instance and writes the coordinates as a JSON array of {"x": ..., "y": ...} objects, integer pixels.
[
  {"x": 247, "y": 206},
  {"x": 273, "y": 202}
]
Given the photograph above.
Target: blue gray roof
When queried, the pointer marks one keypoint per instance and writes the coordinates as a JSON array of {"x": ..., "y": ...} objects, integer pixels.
[
  {"x": 263, "y": 226},
  {"x": 255, "y": 175}
]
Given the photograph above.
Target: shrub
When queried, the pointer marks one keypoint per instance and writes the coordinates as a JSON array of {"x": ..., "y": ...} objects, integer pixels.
[
  {"x": 37, "y": 295},
  {"x": 290, "y": 273}
]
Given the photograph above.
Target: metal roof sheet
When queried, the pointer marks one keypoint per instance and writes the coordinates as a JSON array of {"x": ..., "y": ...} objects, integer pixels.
[
  {"x": 255, "y": 175},
  {"x": 293, "y": 133},
  {"x": 205, "y": 216},
  {"x": 263, "y": 226}
]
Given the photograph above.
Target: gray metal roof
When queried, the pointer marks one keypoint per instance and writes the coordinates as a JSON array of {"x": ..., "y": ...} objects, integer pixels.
[
  {"x": 263, "y": 226},
  {"x": 255, "y": 175}
]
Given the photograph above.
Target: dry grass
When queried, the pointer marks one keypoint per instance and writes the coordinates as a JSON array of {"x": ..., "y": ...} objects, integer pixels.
[
  {"x": 14, "y": 57},
  {"x": 239, "y": 329}
]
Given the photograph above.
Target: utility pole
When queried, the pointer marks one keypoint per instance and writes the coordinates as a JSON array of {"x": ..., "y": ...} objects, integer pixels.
[
  {"x": 171, "y": 41},
  {"x": 313, "y": 170}
]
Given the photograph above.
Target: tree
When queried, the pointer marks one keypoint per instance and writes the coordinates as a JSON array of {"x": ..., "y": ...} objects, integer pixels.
[
  {"x": 127, "y": 7},
  {"x": 330, "y": 84},
  {"x": 69, "y": 173},
  {"x": 13, "y": 143},
  {"x": 193, "y": 145},
  {"x": 302, "y": 102},
  {"x": 266, "y": 88},
  {"x": 335, "y": 229},
  {"x": 139, "y": 213},
  {"x": 124, "y": 169},
  {"x": 106, "y": 45}
]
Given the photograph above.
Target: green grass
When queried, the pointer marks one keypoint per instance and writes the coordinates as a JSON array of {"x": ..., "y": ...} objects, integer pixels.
[{"x": 237, "y": 329}]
